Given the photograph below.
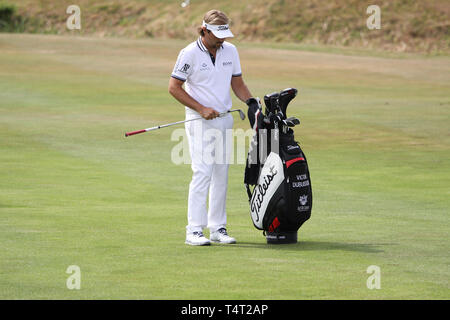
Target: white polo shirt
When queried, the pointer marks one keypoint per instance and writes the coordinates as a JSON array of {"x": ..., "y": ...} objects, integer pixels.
[{"x": 208, "y": 81}]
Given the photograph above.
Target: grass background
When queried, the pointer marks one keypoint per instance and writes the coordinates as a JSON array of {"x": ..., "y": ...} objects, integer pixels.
[
  {"x": 74, "y": 191},
  {"x": 406, "y": 25}
]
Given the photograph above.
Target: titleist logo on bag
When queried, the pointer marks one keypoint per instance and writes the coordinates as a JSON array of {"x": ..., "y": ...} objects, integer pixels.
[
  {"x": 269, "y": 180},
  {"x": 260, "y": 192}
]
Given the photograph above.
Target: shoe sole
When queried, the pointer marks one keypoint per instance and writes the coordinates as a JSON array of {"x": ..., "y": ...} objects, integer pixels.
[
  {"x": 229, "y": 242},
  {"x": 198, "y": 244}
]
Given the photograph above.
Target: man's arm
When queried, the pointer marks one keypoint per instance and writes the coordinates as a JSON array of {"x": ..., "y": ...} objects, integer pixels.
[
  {"x": 240, "y": 88},
  {"x": 241, "y": 91},
  {"x": 177, "y": 91}
]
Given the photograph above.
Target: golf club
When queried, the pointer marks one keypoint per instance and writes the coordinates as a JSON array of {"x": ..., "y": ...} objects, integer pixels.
[
  {"x": 241, "y": 115},
  {"x": 291, "y": 122}
]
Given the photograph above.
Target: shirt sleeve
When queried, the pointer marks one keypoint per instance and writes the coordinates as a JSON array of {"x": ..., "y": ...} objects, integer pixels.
[
  {"x": 237, "y": 72},
  {"x": 183, "y": 66}
]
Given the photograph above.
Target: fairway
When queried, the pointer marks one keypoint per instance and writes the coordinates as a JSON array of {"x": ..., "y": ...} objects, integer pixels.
[{"x": 75, "y": 191}]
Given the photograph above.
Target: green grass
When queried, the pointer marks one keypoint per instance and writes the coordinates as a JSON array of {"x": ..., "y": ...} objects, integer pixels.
[{"x": 74, "y": 191}]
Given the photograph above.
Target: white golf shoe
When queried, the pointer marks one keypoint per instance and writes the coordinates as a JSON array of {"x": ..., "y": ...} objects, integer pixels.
[
  {"x": 221, "y": 236},
  {"x": 197, "y": 239}
]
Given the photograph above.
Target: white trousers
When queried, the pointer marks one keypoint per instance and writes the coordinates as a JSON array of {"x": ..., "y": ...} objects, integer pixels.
[{"x": 209, "y": 148}]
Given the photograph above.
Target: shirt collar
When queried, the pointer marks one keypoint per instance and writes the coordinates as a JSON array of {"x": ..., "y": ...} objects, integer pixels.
[{"x": 201, "y": 46}]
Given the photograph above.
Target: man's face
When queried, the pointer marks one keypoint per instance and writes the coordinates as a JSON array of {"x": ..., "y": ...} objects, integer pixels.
[{"x": 211, "y": 40}]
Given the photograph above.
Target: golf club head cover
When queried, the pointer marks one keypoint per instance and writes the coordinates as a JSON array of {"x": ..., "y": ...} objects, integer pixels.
[
  {"x": 254, "y": 112},
  {"x": 285, "y": 97},
  {"x": 271, "y": 101}
]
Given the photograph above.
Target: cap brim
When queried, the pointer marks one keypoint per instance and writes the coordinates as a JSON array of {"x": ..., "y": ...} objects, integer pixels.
[{"x": 222, "y": 34}]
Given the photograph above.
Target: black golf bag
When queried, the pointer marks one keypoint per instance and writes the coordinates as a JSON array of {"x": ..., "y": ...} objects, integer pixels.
[{"x": 281, "y": 199}]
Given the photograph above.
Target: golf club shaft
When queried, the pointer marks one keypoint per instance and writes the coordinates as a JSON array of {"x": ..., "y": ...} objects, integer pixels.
[
  {"x": 159, "y": 127},
  {"x": 172, "y": 124}
]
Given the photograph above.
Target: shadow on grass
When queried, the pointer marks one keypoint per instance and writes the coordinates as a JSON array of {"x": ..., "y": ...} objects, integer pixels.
[{"x": 315, "y": 246}]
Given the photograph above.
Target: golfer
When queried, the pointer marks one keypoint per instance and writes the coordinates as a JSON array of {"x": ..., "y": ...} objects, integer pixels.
[{"x": 208, "y": 67}]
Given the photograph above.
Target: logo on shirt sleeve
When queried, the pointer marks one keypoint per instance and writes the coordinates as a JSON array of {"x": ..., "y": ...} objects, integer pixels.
[{"x": 185, "y": 68}]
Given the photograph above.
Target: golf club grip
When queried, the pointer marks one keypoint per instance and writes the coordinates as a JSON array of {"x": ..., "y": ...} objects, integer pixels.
[{"x": 134, "y": 132}]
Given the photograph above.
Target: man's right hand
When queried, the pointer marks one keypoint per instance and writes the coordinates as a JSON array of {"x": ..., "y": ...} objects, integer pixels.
[{"x": 209, "y": 113}]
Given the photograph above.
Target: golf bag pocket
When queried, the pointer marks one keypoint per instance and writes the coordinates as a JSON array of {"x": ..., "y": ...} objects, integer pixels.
[{"x": 299, "y": 192}]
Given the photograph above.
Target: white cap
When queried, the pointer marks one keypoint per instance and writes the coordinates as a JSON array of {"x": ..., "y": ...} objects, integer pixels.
[{"x": 220, "y": 31}]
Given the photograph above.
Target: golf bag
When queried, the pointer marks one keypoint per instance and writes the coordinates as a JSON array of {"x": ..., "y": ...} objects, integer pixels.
[{"x": 276, "y": 167}]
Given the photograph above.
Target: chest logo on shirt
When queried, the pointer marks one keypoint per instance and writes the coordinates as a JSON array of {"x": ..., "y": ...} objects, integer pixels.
[
  {"x": 227, "y": 64},
  {"x": 184, "y": 68},
  {"x": 204, "y": 67}
]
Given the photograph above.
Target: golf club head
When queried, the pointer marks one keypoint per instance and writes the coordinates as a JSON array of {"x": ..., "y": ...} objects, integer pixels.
[
  {"x": 241, "y": 113},
  {"x": 292, "y": 121}
]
